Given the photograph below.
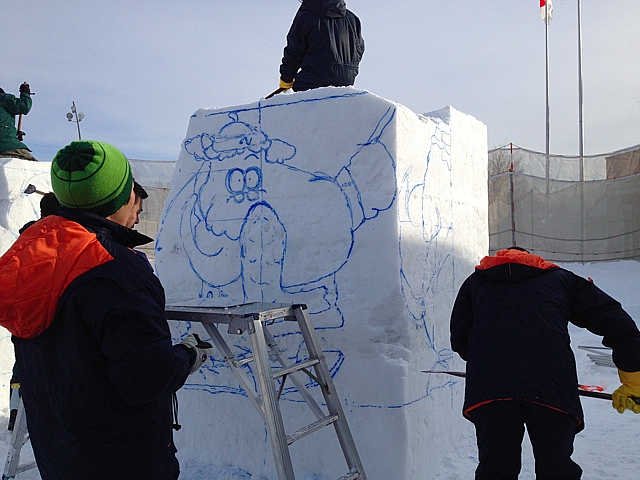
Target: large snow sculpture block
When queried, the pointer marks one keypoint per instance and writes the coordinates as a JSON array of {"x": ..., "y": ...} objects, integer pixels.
[
  {"x": 368, "y": 213},
  {"x": 16, "y": 209}
]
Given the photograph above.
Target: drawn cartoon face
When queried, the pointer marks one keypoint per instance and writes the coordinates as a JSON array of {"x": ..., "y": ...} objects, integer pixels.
[
  {"x": 229, "y": 192},
  {"x": 244, "y": 184}
]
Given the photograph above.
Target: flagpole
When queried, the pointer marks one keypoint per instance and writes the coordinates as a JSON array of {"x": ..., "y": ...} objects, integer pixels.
[
  {"x": 580, "y": 97},
  {"x": 581, "y": 134},
  {"x": 546, "y": 41}
]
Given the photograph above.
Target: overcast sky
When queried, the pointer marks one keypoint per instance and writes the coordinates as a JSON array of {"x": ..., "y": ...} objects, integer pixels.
[{"x": 138, "y": 69}]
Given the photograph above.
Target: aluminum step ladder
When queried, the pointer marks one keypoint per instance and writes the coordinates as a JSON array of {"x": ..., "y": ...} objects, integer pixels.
[
  {"x": 254, "y": 319},
  {"x": 19, "y": 438}
]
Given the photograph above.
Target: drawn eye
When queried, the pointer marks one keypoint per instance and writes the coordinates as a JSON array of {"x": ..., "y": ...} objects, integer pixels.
[
  {"x": 235, "y": 180},
  {"x": 253, "y": 178}
]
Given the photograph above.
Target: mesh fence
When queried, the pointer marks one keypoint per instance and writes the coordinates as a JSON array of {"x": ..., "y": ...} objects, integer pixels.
[
  {"x": 541, "y": 204},
  {"x": 536, "y": 202},
  {"x": 155, "y": 177},
  {"x": 150, "y": 217}
]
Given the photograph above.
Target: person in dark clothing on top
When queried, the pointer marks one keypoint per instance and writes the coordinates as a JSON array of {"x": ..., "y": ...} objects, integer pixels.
[
  {"x": 97, "y": 366},
  {"x": 324, "y": 47},
  {"x": 11, "y": 145},
  {"x": 510, "y": 323}
]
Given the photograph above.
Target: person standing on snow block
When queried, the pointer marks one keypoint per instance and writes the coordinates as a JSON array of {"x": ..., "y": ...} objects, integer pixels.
[
  {"x": 97, "y": 366},
  {"x": 510, "y": 323},
  {"x": 11, "y": 145},
  {"x": 324, "y": 47}
]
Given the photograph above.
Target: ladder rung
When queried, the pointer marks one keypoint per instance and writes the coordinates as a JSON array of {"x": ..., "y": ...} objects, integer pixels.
[
  {"x": 248, "y": 359},
  {"x": 350, "y": 475},
  {"x": 317, "y": 425},
  {"x": 239, "y": 363},
  {"x": 295, "y": 368},
  {"x": 25, "y": 467}
]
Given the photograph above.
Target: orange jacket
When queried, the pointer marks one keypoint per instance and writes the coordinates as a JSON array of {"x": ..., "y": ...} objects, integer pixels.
[{"x": 37, "y": 269}]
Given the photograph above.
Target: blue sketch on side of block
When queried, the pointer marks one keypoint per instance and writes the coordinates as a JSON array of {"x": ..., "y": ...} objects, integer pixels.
[
  {"x": 430, "y": 223},
  {"x": 237, "y": 233}
]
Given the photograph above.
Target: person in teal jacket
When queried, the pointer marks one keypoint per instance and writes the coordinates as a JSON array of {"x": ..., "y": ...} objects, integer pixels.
[{"x": 11, "y": 145}]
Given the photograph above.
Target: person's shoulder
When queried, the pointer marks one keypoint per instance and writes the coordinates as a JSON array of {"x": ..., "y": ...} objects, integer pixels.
[
  {"x": 26, "y": 225},
  {"x": 350, "y": 14}
]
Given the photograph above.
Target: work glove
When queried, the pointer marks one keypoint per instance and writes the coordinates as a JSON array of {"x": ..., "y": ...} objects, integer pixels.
[
  {"x": 286, "y": 85},
  {"x": 24, "y": 88},
  {"x": 624, "y": 398},
  {"x": 202, "y": 350}
]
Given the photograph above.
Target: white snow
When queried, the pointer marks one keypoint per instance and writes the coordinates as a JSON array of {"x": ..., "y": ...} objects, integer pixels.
[
  {"x": 604, "y": 449},
  {"x": 364, "y": 211},
  {"x": 405, "y": 193}
]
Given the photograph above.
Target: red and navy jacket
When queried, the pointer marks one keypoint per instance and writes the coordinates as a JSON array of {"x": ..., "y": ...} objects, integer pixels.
[
  {"x": 510, "y": 323},
  {"x": 93, "y": 349}
]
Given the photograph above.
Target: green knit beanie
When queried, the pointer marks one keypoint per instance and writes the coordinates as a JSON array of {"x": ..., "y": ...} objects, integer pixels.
[{"x": 92, "y": 176}]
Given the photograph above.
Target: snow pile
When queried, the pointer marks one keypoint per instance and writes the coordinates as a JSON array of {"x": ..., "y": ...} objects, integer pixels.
[{"x": 361, "y": 209}]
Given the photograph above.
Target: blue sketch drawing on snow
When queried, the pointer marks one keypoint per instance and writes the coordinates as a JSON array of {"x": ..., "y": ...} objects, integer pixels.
[
  {"x": 255, "y": 208},
  {"x": 430, "y": 221},
  {"x": 247, "y": 215},
  {"x": 242, "y": 237},
  {"x": 225, "y": 219}
]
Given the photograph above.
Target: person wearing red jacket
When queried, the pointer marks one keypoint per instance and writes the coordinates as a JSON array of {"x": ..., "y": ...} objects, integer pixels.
[
  {"x": 97, "y": 366},
  {"x": 510, "y": 324}
]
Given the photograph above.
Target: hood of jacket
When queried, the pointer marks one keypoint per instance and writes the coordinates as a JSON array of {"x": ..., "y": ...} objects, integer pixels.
[
  {"x": 513, "y": 265},
  {"x": 46, "y": 258},
  {"x": 326, "y": 8}
]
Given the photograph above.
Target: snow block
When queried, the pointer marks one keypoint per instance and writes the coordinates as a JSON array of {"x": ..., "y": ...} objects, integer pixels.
[
  {"x": 368, "y": 213},
  {"x": 16, "y": 209}
]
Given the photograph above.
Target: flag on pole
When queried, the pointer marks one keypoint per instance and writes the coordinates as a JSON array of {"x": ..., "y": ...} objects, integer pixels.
[{"x": 546, "y": 7}]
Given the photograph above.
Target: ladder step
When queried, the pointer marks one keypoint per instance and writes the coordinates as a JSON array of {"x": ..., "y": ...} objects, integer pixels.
[
  {"x": 239, "y": 363},
  {"x": 317, "y": 425},
  {"x": 350, "y": 475},
  {"x": 295, "y": 368},
  {"x": 25, "y": 467},
  {"x": 249, "y": 359}
]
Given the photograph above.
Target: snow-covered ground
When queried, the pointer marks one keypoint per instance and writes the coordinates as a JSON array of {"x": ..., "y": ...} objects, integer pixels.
[{"x": 604, "y": 449}]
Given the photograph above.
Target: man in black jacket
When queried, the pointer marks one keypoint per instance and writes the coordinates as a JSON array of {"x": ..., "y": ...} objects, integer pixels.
[
  {"x": 510, "y": 323},
  {"x": 97, "y": 366},
  {"x": 324, "y": 47}
]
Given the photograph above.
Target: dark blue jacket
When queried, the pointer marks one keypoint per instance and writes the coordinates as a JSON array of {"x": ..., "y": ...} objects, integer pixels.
[
  {"x": 510, "y": 323},
  {"x": 324, "y": 46},
  {"x": 97, "y": 381}
]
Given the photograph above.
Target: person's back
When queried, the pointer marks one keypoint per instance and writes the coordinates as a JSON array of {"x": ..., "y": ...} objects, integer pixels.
[
  {"x": 94, "y": 351},
  {"x": 510, "y": 324},
  {"x": 324, "y": 46}
]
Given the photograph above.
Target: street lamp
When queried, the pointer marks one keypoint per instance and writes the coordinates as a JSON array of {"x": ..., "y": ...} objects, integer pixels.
[{"x": 79, "y": 116}]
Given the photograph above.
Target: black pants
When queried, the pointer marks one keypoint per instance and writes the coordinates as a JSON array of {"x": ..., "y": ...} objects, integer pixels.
[{"x": 499, "y": 433}]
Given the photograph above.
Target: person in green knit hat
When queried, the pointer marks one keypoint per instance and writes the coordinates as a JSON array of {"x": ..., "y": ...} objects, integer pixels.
[
  {"x": 97, "y": 366},
  {"x": 11, "y": 145}
]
